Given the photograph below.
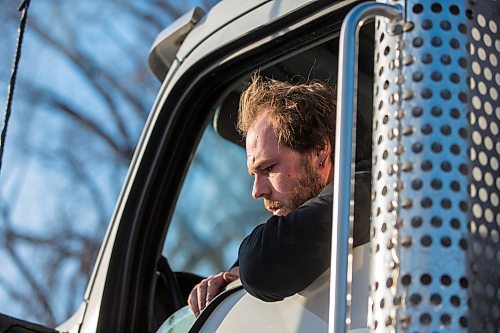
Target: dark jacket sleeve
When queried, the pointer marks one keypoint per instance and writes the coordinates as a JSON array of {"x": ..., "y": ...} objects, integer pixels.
[{"x": 284, "y": 255}]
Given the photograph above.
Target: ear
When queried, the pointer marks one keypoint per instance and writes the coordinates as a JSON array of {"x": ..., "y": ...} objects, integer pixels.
[{"x": 323, "y": 154}]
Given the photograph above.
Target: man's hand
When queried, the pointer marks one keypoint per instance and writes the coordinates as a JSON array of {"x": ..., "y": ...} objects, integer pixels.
[{"x": 208, "y": 288}]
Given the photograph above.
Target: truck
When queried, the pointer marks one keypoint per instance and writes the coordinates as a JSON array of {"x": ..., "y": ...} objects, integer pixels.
[{"x": 418, "y": 86}]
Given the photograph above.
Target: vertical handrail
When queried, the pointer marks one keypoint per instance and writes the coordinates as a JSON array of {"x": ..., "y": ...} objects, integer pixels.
[{"x": 343, "y": 203}]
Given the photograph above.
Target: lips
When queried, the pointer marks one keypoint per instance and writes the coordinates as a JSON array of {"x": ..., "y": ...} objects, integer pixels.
[
  {"x": 274, "y": 209},
  {"x": 273, "y": 206}
]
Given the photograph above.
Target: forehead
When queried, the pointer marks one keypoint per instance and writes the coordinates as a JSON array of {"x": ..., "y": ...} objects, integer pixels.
[
  {"x": 262, "y": 143},
  {"x": 261, "y": 129}
]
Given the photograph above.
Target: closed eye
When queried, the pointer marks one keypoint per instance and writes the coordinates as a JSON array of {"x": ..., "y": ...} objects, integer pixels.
[{"x": 269, "y": 168}]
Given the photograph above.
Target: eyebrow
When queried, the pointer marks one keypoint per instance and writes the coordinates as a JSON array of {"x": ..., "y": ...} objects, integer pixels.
[{"x": 258, "y": 165}]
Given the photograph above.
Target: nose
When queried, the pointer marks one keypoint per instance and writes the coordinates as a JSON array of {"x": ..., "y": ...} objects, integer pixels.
[{"x": 261, "y": 187}]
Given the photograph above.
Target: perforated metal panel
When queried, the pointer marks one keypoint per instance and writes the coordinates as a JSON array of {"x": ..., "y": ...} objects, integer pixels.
[
  {"x": 435, "y": 215},
  {"x": 484, "y": 248}
]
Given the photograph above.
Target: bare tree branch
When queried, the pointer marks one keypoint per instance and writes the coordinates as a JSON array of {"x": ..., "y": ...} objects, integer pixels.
[
  {"x": 20, "y": 264},
  {"x": 55, "y": 102},
  {"x": 99, "y": 78},
  {"x": 145, "y": 15}
]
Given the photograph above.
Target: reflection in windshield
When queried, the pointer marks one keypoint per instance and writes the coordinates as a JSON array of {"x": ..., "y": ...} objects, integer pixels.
[{"x": 180, "y": 322}]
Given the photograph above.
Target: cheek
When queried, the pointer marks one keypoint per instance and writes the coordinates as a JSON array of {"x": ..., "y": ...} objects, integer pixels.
[{"x": 282, "y": 182}]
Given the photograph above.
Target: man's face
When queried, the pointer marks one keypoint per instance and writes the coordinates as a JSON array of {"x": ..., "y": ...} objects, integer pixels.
[{"x": 283, "y": 177}]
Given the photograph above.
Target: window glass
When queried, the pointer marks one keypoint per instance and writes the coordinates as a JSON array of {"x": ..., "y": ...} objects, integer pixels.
[{"x": 215, "y": 209}]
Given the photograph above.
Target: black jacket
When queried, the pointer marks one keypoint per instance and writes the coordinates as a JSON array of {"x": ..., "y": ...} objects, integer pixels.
[{"x": 285, "y": 254}]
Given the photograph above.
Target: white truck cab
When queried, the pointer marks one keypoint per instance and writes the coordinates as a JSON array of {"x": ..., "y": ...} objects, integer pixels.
[{"x": 423, "y": 108}]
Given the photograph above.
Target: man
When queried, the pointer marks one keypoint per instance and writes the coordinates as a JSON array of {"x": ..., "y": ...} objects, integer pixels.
[{"x": 289, "y": 131}]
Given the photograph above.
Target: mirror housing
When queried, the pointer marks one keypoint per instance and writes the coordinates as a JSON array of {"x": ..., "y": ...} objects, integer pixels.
[{"x": 165, "y": 47}]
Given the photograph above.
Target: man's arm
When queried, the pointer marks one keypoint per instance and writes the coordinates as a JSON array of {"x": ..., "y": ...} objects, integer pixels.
[{"x": 284, "y": 255}]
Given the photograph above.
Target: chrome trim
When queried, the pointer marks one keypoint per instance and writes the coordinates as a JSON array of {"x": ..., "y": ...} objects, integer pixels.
[{"x": 343, "y": 202}]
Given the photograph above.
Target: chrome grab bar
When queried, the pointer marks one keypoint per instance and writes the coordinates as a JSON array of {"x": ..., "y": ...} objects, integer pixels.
[{"x": 343, "y": 203}]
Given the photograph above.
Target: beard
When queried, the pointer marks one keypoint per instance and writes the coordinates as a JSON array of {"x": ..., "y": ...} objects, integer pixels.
[{"x": 307, "y": 186}]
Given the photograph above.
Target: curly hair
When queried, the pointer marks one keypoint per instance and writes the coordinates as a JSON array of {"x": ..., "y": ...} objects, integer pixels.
[{"x": 302, "y": 115}]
